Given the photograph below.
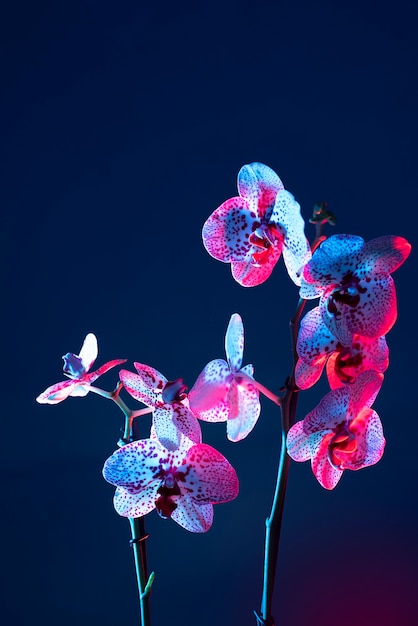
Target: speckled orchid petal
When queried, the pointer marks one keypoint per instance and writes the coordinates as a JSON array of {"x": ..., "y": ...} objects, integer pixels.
[
  {"x": 373, "y": 316},
  {"x": 384, "y": 254},
  {"x": 308, "y": 375},
  {"x": 136, "y": 465},
  {"x": 259, "y": 185},
  {"x": 175, "y": 423},
  {"x": 152, "y": 378},
  {"x": 296, "y": 249},
  {"x": 314, "y": 339},
  {"x": 208, "y": 477},
  {"x": 135, "y": 504},
  {"x": 208, "y": 396},
  {"x": 244, "y": 408},
  {"x": 297, "y": 442},
  {"x": 326, "y": 474},
  {"x": 234, "y": 342},
  {"x": 226, "y": 232},
  {"x": 194, "y": 517},
  {"x": 329, "y": 413},
  {"x": 247, "y": 274},
  {"x": 138, "y": 389},
  {"x": 370, "y": 441},
  {"x": 333, "y": 259},
  {"x": 309, "y": 291},
  {"x": 363, "y": 392}
]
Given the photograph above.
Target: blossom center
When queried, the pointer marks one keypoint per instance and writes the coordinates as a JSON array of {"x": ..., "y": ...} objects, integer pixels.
[
  {"x": 342, "y": 443},
  {"x": 347, "y": 293},
  {"x": 174, "y": 391},
  {"x": 168, "y": 488},
  {"x": 347, "y": 358},
  {"x": 264, "y": 238}
]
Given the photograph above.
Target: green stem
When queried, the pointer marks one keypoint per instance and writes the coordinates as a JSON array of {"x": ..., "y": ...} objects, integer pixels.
[
  {"x": 144, "y": 583},
  {"x": 288, "y": 408}
]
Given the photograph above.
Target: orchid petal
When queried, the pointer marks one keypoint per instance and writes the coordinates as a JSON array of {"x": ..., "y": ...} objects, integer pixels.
[
  {"x": 329, "y": 413},
  {"x": 259, "y": 185},
  {"x": 244, "y": 409},
  {"x": 152, "y": 378},
  {"x": 89, "y": 351},
  {"x": 136, "y": 466},
  {"x": 175, "y": 424},
  {"x": 135, "y": 504},
  {"x": 138, "y": 389},
  {"x": 314, "y": 339},
  {"x": 194, "y": 517},
  {"x": 234, "y": 342},
  {"x": 307, "y": 375},
  {"x": 209, "y": 478},
  {"x": 248, "y": 274},
  {"x": 327, "y": 475},
  {"x": 208, "y": 396},
  {"x": 58, "y": 392},
  {"x": 92, "y": 376},
  {"x": 297, "y": 443},
  {"x": 226, "y": 232},
  {"x": 333, "y": 259},
  {"x": 296, "y": 249},
  {"x": 363, "y": 392},
  {"x": 368, "y": 431},
  {"x": 384, "y": 254}
]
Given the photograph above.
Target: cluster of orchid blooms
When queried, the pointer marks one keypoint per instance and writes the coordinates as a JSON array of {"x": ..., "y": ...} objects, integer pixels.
[{"x": 172, "y": 470}]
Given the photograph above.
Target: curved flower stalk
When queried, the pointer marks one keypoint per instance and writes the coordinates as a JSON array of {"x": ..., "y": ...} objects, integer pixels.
[
  {"x": 223, "y": 391},
  {"x": 353, "y": 280},
  {"x": 182, "y": 484},
  {"x": 317, "y": 347},
  {"x": 251, "y": 230},
  {"x": 77, "y": 368},
  {"x": 172, "y": 418},
  {"x": 342, "y": 432}
]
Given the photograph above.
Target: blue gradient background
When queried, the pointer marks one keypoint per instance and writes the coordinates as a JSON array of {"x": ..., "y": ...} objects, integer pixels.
[{"x": 123, "y": 127}]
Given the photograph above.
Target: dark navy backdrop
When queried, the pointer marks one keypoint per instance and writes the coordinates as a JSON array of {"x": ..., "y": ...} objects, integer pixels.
[{"x": 123, "y": 127}]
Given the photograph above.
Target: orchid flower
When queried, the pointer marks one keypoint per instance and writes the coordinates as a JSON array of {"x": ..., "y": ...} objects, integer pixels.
[
  {"x": 223, "y": 391},
  {"x": 342, "y": 432},
  {"x": 251, "y": 230},
  {"x": 77, "y": 368},
  {"x": 172, "y": 417},
  {"x": 353, "y": 279},
  {"x": 317, "y": 346},
  {"x": 181, "y": 484}
]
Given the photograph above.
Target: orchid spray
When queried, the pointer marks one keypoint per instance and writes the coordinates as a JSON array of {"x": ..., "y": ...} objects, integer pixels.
[{"x": 181, "y": 477}]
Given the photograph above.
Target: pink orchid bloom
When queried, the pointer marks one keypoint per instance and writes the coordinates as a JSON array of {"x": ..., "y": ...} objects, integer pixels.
[
  {"x": 223, "y": 392},
  {"x": 342, "y": 432},
  {"x": 182, "y": 484},
  {"x": 317, "y": 346},
  {"x": 77, "y": 368},
  {"x": 353, "y": 279},
  {"x": 172, "y": 417},
  {"x": 251, "y": 230}
]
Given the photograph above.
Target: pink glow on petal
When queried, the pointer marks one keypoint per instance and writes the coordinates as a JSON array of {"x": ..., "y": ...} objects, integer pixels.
[
  {"x": 259, "y": 185},
  {"x": 308, "y": 375},
  {"x": 385, "y": 254},
  {"x": 244, "y": 410},
  {"x": 226, "y": 232},
  {"x": 176, "y": 425},
  {"x": 210, "y": 478},
  {"x": 363, "y": 392},
  {"x": 298, "y": 446},
  {"x": 92, "y": 376},
  {"x": 151, "y": 377},
  {"x": 208, "y": 396},
  {"x": 327, "y": 475},
  {"x": 329, "y": 413},
  {"x": 247, "y": 274},
  {"x": 368, "y": 431},
  {"x": 138, "y": 389},
  {"x": 57, "y": 393}
]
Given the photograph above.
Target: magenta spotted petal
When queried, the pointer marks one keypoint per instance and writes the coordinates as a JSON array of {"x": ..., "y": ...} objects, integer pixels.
[
  {"x": 342, "y": 432},
  {"x": 77, "y": 367},
  {"x": 221, "y": 393},
  {"x": 182, "y": 484},
  {"x": 317, "y": 347},
  {"x": 357, "y": 292},
  {"x": 251, "y": 230}
]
